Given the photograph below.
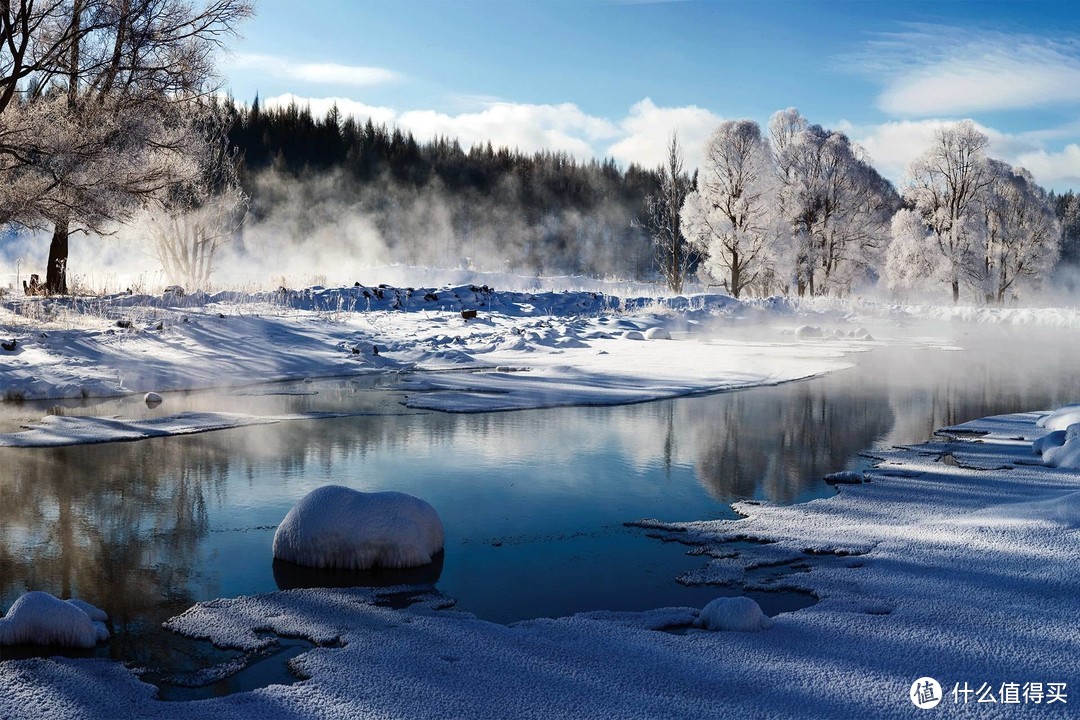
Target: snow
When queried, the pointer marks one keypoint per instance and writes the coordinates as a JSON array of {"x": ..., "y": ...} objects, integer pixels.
[
  {"x": 59, "y": 430},
  {"x": 152, "y": 399},
  {"x": 965, "y": 571},
  {"x": 565, "y": 348},
  {"x": 1061, "y": 418},
  {"x": 733, "y": 613},
  {"x": 38, "y": 618},
  {"x": 337, "y": 527},
  {"x": 1060, "y": 448}
]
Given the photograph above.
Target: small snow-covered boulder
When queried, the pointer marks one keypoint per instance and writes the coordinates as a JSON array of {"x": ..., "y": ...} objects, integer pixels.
[
  {"x": 1048, "y": 442},
  {"x": 337, "y": 527},
  {"x": 632, "y": 335},
  {"x": 845, "y": 477},
  {"x": 733, "y": 613},
  {"x": 657, "y": 333},
  {"x": 1064, "y": 451},
  {"x": 808, "y": 332},
  {"x": 1061, "y": 418},
  {"x": 152, "y": 399},
  {"x": 38, "y": 618}
]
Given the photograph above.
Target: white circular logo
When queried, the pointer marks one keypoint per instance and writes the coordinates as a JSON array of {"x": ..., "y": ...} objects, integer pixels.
[{"x": 925, "y": 693}]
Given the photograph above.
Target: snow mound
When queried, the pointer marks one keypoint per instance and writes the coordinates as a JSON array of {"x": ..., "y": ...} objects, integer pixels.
[
  {"x": 337, "y": 527},
  {"x": 1062, "y": 448},
  {"x": 1061, "y": 418},
  {"x": 38, "y": 618},
  {"x": 845, "y": 477},
  {"x": 632, "y": 335},
  {"x": 733, "y": 613},
  {"x": 657, "y": 333},
  {"x": 808, "y": 332}
]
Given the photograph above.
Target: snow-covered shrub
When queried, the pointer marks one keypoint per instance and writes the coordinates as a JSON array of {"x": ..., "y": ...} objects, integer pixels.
[
  {"x": 39, "y": 618},
  {"x": 337, "y": 527},
  {"x": 733, "y": 613}
]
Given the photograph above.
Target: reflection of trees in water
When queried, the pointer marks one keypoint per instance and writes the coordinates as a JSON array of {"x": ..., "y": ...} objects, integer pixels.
[
  {"x": 777, "y": 442},
  {"x": 117, "y": 525},
  {"x": 1007, "y": 371}
]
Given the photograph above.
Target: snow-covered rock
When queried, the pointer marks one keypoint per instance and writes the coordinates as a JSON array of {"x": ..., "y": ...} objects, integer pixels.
[
  {"x": 733, "y": 613},
  {"x": 152, "y": 399},
  {"x": 632, "y": 335},
  {"x": 657, "y": 333},
  {"x": 38, "y": 618},
  {"x": 1062, "y": 448},
  {"x": 845, "y": 477},
  {"x": 1061, "y": 418},
  {"x": 337, "y": 527},
  {"x": 808, "y": 332}
]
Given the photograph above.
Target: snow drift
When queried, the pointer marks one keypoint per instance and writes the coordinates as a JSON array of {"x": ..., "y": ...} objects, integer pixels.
[
  {"x": 337, "y": 527},
  {"x": 38, "y": 618},
  {"x": 733, "y": 613}
]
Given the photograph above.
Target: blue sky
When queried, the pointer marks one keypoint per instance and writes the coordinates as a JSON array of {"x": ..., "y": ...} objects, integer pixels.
[{"x": 609, "y": 78}]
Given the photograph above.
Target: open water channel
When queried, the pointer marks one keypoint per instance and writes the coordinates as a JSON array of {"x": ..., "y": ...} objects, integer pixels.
[{"x": 534, "y": 503}]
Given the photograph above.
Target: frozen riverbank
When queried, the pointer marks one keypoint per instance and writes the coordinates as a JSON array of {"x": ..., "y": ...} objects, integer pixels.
[{"x": 956, "y": 561}]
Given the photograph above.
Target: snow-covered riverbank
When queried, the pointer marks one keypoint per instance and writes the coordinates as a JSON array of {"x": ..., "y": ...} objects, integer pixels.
[{"x": 956, "y": 561}]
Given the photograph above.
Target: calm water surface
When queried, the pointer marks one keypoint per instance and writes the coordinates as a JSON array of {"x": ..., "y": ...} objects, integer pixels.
[{"x": 533, "y": 503}]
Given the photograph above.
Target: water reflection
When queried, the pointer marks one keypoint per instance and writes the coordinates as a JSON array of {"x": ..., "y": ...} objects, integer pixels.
[
  {"x": 532, "y": 502},
  {"x": 289, "y": 576}
]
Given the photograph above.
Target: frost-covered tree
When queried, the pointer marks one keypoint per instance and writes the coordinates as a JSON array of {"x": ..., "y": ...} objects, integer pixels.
[
  {"x": 836, "y": 207},
  {"x": 94, "y": 99},
  {"x": 673, "y": 254},
  {"x": 946, "y": 185},
  {"x": 1020, "y": 235},
  {"x": 730, "y": 217},
  {"x": 1068, "y": 212},
  {"x": 910, "y": 261},
  {"x": 198, "y": 216}
]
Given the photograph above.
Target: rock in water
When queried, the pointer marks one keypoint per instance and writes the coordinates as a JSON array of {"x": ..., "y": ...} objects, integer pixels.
[
  {"x": 337, "y": 527},
  {"x": 152, "y": 399}
]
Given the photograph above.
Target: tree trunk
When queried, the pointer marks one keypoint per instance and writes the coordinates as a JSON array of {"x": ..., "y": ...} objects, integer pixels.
[
  {"x": 955, "y": 291},
  {"x": 56, "y": 272}
]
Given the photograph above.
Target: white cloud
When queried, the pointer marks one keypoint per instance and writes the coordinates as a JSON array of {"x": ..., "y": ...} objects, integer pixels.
[
  {"x": 646, "y": 130},
  {"x": 320, "y": 106},
  {"x": 1060, "y": 169},
  {"x": 892, "y": 145},
  {"x": 641, "y": 136},
  {"x": 938, "y": 70},
  {"x": 523, "y": 126},
  {"x": 319, "y": 73}
]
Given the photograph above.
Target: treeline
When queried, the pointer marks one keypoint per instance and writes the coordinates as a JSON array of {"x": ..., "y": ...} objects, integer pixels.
[{"x": 434, "y": 202}]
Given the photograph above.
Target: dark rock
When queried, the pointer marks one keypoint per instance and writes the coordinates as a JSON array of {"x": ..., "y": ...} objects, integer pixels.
[
  {"x": 9, "y": 345},
  {"x": 468, "y": 314},
  {"x": 123, "y": 323}
]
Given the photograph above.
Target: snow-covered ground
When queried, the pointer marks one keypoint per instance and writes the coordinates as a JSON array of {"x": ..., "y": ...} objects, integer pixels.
[
  {"x": 957, "y": 561},
  {"x": 519, "y": 350},
  {"x": 523, "y": 349}
]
